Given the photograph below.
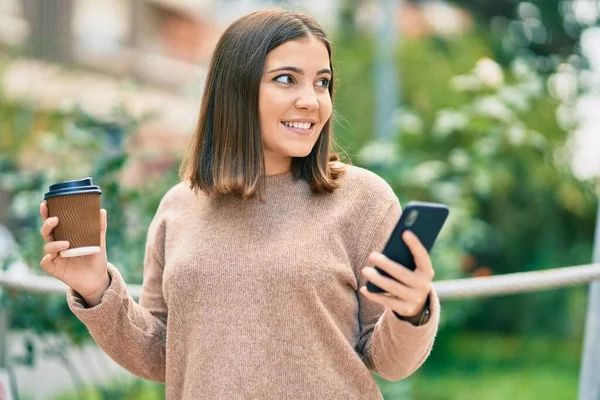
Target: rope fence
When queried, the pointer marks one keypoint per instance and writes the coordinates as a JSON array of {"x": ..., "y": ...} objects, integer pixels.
[
  {"x": 496, "y": 285},
  {"x": 520, "y": 282}
]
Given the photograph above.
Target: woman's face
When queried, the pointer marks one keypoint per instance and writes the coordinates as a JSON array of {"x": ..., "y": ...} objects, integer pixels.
[{"x": 294, "y": 101}]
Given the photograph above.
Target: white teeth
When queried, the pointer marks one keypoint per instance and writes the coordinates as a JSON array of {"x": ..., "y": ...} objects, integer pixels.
[{"x": 298, "y": 125}]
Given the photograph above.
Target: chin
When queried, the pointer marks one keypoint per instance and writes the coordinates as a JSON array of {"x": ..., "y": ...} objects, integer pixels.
[{"x": 299, "y": 153}]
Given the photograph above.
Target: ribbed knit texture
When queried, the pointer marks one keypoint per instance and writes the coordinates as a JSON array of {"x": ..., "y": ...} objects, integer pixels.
[
  {"x": 78, "y": 218},
  {"x": 261, "y": 298}
]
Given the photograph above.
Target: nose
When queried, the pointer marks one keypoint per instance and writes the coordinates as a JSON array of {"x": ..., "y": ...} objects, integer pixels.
[{"x": 307, "y": 100}]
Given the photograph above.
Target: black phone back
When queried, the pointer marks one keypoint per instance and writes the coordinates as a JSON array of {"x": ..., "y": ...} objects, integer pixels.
[{"x": 425, "y": 220}]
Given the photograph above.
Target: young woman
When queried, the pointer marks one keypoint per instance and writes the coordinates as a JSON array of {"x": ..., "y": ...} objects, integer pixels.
[{"x": 256, "y": 263}]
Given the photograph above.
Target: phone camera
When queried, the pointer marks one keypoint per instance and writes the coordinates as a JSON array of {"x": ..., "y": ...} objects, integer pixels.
[{"x": 412, "y": 217}]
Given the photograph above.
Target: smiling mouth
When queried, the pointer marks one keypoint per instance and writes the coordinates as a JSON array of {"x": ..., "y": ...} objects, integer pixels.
[{"x": 301, "y": 126}]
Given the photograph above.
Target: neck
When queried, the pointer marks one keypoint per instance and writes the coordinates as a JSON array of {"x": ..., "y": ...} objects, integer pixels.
[{"x": 276, "y": 167}]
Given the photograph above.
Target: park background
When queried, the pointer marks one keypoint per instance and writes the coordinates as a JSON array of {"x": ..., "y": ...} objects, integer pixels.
[{"x": 496, "y": 113}]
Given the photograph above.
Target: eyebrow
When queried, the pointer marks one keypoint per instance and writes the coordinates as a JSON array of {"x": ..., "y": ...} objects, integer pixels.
[{"x": 300, "y": 70}]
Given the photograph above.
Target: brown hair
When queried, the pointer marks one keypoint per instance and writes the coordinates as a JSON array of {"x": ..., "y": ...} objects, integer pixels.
[{"x": 226, "y": 154}]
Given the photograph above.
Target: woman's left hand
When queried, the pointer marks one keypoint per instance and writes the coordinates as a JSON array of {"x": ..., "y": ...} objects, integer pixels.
[{"x": 407, "y": 294}]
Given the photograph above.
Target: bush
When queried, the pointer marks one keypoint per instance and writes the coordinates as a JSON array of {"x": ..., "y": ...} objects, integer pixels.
[
  {"x": 68, "y": 139},
  {"x": 486, "y": 142}
]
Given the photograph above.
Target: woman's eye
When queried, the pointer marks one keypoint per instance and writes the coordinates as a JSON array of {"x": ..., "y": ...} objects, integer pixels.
[
  {"x": 287, "y": 79},
  {"x": 323, "y": 82}
]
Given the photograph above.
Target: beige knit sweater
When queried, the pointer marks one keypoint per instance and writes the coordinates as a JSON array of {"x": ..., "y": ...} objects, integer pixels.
[{"x": 251, "y": 300}]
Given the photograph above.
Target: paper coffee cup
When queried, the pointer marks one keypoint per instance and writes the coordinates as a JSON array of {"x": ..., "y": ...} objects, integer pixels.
[{"x": 77, "y": 206}]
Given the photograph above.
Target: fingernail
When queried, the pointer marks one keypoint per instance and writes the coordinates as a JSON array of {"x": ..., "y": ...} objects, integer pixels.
[
  {"x": 376, "y": 256},
  {"x": 408, "y": 235},
  {"x": 64, "y": 245}
]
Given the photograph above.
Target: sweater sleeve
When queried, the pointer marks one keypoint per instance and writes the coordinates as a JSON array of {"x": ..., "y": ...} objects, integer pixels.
[
  {"x": 390, "y": 347},
  {"x": 132, "y": 334}
]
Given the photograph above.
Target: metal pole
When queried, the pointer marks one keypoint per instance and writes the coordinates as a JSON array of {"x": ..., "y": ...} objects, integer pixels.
[
  {"x": 3, "y": 338},
  {"x": 386, "y": 79},
  {"x": 589, "y": 383}
]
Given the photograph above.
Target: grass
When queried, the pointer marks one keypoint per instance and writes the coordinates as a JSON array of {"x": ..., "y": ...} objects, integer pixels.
[
  {"x": 121, "y": 389},
  {"x": 520, "y": 383},
  {"x": 492, "y": 367}
]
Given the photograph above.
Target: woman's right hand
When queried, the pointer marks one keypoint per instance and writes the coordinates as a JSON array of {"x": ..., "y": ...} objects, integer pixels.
[{"x": 87, "y": 275}]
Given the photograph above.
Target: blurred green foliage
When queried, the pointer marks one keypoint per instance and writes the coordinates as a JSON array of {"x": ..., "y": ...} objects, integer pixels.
[
  {"x": 486, "y": 142},
  {"x": 560, "y": 36},
  {"x": 353, "y": 98},
  {"x": 72, "y": 145}
]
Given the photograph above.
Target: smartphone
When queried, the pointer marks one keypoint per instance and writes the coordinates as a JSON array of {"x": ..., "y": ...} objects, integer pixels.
[{"x": 425, "y": 220}]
